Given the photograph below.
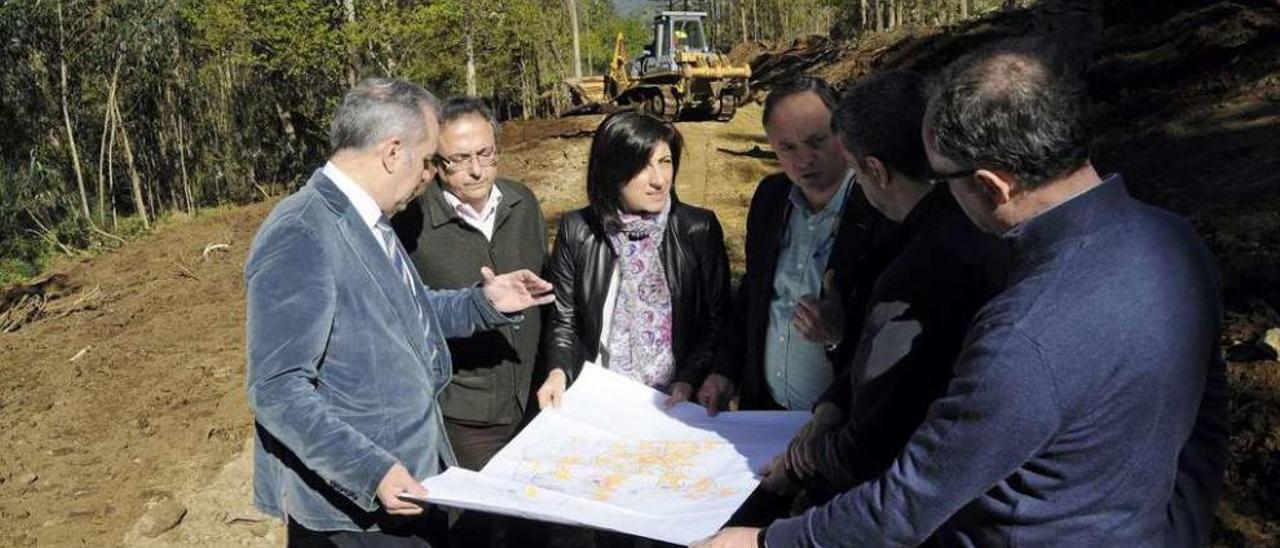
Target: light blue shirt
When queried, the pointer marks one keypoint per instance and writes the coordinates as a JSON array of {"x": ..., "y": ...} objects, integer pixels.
[{"x": 796, "y": 370}]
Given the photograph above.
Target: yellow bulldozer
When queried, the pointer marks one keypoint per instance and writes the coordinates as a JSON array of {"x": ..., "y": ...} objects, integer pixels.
[{"x": 678, "y": 77}]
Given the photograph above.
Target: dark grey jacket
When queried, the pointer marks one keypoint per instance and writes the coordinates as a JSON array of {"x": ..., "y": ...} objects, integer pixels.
[{"x": 490, "y": 368}]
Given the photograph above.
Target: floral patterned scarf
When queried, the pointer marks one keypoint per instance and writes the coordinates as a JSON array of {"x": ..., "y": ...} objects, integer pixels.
[{"x": 640, "y": 336}]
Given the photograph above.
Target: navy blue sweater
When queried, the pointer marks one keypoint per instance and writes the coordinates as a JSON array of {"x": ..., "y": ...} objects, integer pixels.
[{"x": 1077, "y": 390}]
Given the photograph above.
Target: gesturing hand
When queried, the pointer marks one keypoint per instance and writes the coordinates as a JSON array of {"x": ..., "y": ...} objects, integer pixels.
[
  {"x": 515, "y": 291},
  {"x": 821, "y": 320},
  {"x": 397, "y": 482}
]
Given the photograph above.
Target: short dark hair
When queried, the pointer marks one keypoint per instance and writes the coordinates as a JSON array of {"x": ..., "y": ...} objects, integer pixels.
[
  {"x": 881, "y": 116},
  {"x": 621, "y": 148},
  {"x": 377, "y": 109},
  {"x": 796, "y": 86},
  {"x": 459, "y": 107},
  {"x": 1007, "y": 107}
]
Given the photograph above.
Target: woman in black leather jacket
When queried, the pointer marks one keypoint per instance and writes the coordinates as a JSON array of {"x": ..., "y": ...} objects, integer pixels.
[{"x": 641, "y": 280}]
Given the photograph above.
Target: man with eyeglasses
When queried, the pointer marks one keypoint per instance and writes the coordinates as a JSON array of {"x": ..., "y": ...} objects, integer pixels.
[{"x": 468, "y": 218}]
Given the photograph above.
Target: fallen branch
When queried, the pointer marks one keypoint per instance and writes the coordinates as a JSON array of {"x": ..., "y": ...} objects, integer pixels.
[
  {"x": 108, "y": 234},
  {"x": 214, "y": 247},
  {"x": 26, "y": 310},
  {"x": 83, "y": 302},
  {"x": 79, "y": 354},
  {"x": 49, "y": 237},
  {"x": 185, "y": 271}
]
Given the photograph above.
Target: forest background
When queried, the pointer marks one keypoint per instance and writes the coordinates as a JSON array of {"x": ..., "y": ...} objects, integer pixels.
[{"x": 116, "y": 112}]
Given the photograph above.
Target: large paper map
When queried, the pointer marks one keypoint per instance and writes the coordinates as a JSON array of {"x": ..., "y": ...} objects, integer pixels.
[{"x": 611, "y": 458}]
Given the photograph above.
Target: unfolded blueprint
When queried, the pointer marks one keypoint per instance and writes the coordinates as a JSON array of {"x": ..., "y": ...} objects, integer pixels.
[{"x": 610, "y": 457}]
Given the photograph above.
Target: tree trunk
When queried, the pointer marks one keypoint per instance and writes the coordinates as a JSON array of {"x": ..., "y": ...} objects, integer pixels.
[
  {"x": 138, "y": 202},
  {"x": 104, "y": 151},
  {"x": 471, "y": 53},
  {"x": 111, "y": 161},
  {"x": 742, "y": 14},
  {"x": 862, "y": 16},
  {"x": 66, "y": 118},
  {"x": 572, "y": 7},
  {"x": 182, "y": 162},
  {"x": 964, "y": 9},
  {"x": 755, "y": 19},
  {"x": 349, "y": 9}
]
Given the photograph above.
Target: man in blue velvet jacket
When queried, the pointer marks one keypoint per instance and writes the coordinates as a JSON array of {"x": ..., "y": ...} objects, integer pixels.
[
  {"x": 1088, "y": 404},
  {"x": 346, "y": 347}
]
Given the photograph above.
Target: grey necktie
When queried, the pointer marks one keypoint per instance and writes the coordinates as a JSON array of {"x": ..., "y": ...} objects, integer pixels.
[
  {"x": 400, "y": 260},
  {"x": 395, "y": 253}
]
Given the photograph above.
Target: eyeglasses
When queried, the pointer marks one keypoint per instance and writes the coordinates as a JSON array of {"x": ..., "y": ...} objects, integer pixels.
[
  {"x": 938, "y": 179},
  {"x": 486, "y": 157}
]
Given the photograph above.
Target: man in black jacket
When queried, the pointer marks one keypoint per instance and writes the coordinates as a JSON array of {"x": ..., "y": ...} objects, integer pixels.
[
  {"x": 802, "y": 223},
  {"x": 919, "y": 308}
]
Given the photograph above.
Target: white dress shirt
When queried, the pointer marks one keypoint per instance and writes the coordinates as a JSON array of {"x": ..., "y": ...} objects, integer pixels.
[
  {"x": 363, "y": 202},
  {"x": 482, "y": 220}
]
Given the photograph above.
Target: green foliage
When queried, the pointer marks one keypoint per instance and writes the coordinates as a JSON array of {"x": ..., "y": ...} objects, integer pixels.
[{"x": 219, "y": 99}]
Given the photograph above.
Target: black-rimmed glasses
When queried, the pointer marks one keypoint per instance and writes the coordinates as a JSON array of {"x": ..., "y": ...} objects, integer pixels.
[{"x": 486, "y": 157}]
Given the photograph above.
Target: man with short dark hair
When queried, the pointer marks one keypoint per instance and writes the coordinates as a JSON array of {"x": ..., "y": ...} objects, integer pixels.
[
  {"x": 1088, "y": 405},
  {"x": 469, "y": 218},
  {"x": 919, "y": 307},
  {"x": 802, "y": 223},
  {"x": 346, "y": 351}
]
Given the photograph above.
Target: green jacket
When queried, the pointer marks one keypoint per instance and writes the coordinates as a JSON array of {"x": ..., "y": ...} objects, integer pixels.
[{"x": 490, "y": 368}]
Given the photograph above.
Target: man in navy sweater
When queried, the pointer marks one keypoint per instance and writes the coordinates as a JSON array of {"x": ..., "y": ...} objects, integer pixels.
[{"x": 1088, "y": 406}]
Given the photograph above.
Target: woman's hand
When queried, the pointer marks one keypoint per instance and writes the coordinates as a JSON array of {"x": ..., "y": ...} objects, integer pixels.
[{"x": 551, "y": 393}]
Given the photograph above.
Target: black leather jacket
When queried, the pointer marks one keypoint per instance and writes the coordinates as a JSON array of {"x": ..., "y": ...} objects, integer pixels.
[{"x": 697, "y": 271}]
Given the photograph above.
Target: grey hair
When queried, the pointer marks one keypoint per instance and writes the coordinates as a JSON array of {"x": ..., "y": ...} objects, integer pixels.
[{"x": 377, "y": 109}]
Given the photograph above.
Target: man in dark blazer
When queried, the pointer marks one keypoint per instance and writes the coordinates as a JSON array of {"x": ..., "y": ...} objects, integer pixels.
[
  {"x": 346, "y": 346},
  {"x": 814, "y": 218}
]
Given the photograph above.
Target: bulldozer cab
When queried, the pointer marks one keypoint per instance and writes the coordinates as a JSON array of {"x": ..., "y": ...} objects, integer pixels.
[
  {"x": 679, "y": 75},
  {"x": 674, "y": 32}
]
